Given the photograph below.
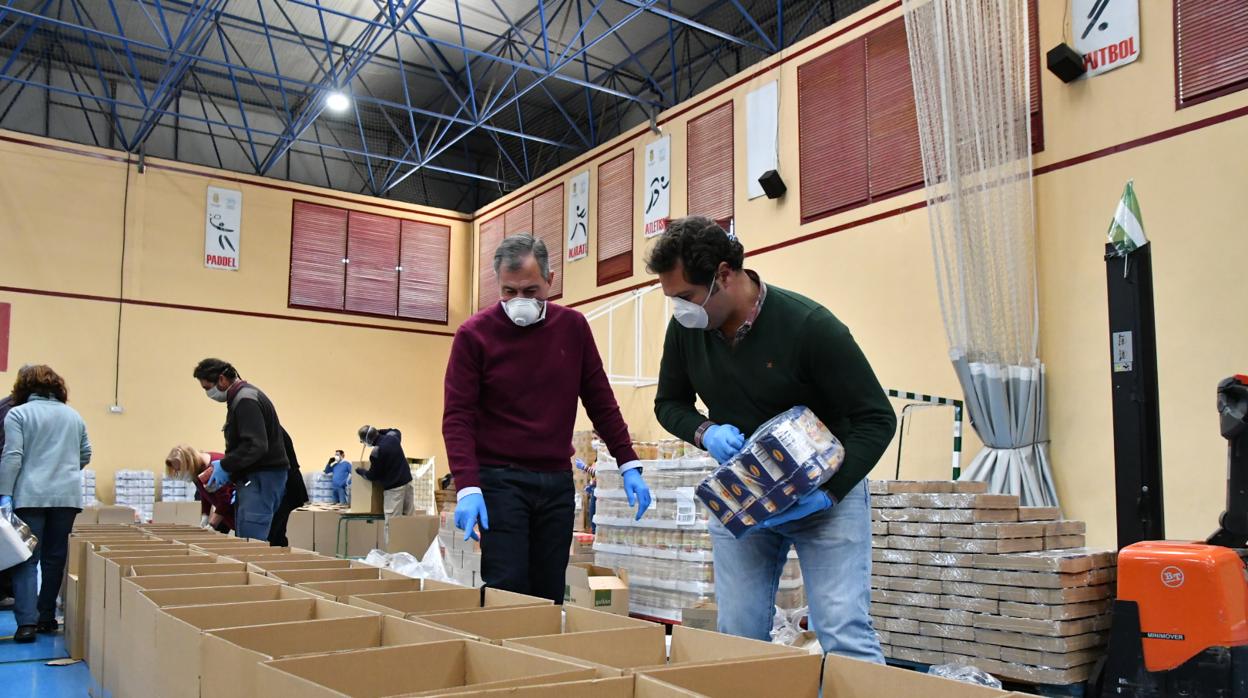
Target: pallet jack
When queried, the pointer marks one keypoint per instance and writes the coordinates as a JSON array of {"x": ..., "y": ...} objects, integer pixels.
[{"x": 1180, "y": 620}]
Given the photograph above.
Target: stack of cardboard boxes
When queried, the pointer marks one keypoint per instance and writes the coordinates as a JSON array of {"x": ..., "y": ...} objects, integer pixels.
[{"x": 964, "y": 576}]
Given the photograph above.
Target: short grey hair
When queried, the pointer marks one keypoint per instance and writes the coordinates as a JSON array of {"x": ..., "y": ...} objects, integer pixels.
[{"x": 514, "y": 249}]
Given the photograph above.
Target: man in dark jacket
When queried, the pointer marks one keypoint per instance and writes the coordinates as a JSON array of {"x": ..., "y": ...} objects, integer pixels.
[
  {"x": 389, "y": 470},
  {"x": 255, "y": 451},
  {"x": 295, "y": 496}
]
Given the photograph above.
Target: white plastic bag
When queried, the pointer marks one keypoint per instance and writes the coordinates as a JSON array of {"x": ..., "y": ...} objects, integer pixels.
[
  {"x": 17, "y": 543},
  {"x": 428, "y": 567},
  {"x": 966, "y": 674}
]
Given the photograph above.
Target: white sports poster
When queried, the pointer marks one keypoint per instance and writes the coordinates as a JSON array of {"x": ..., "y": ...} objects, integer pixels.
[
  {"x": 578, "y": 217},
  {"x": 658, "y": 186},
  {"x": 222, "y": 228},
  {"x": 762, "y": 135},
  {"x": 1107, "y": 33}
]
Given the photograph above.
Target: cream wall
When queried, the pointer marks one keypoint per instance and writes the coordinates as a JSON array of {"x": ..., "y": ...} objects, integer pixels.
[
  {"x": 62, "y": 233},
  {"x": 877, "y": 275}
]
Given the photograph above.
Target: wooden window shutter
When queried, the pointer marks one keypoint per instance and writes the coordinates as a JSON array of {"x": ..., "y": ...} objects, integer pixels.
[
  {"x": 372, "y": 274},
  {"x": 894, "y": 154},
  {"x": 318, "y": 244},
  {"x": 489, "y": 236},
  {"x": 425, "y": 260},
  {"x": 710, "y": 164},
  {"x": 615, "y": 218},
  {"x": 1211, "y": 48},
  {"x": 832, "y": 131},
  {"x": 548, "y": 227},
  {"x": 519, "y": 219}
]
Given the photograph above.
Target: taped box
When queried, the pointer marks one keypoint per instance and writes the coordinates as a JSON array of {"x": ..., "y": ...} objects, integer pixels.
[
  {"x": 1056, "y": 596},
  {"x": 1049, "y": 628},
  {"x": 994, "y": 530},
  {"x": 1059, "y": 645},
  {"x": 946, "y": 501},
  {"x": 919, "y": 515}
]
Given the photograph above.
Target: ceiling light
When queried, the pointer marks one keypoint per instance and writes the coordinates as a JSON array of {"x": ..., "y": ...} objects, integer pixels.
[{"x": 337, "y": 101}]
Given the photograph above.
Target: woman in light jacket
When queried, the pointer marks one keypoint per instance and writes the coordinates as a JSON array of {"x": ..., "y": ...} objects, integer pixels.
[{"x": 45, "y": 447}]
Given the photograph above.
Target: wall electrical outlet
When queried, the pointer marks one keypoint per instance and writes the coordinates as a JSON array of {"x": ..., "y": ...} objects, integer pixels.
[{"x": 116, "y": 409}]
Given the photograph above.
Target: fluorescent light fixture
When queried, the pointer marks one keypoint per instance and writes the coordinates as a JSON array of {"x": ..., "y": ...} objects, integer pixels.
[{"x": 337, "y": 101}]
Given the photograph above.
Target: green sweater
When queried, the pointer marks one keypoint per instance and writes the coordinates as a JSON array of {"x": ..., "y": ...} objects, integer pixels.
[{"x": 796, "y": 353}]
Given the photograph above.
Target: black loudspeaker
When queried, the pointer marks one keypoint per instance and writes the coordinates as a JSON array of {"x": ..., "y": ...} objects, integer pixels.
[
  {"x": 1065, "y": 62},
  {"x": 773, "y": 186}
]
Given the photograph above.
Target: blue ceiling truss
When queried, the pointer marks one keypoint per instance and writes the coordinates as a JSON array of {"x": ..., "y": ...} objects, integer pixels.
[{"x": 452, "y": 102}]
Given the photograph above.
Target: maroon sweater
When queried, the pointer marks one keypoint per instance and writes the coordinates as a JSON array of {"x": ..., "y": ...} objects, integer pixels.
[{"x": 511, "y": 394}]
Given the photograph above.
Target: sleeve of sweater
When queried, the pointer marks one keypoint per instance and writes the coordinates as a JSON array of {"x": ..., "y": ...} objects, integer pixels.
[
  {"x": 462, "y": 388},
  {"x": 253, "y": 438},
  {"x": 674, "y": 399},
  {"x": 84, "y": 445},
  {"x": 841, "y": 372},
  {"x": 599, "y": 399},
  {"x": 14, "y": 446}
]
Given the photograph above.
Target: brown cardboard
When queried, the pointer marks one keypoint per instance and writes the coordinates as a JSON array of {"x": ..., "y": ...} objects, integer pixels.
[
  {"x": 340, "y": 575},
  {"x": 633, "y": 686},
  {"x": 1054, "y": 612},
  {"x": 111, "y": 514},
  {"x": 365, "y": 497},
  {"x": 180, "y": 630},
  {"x": 1057, "y": 596},
  {"x": 1039, "y": 513},
  {"x": 342, "y": 591},
  {"x": 947, "y": 501},
  {"x": 600, "y": 588},
  {"x": 80, "y": 541},
  {"x": 412, "y": 534},
  {"x": 1045, "y": 644},
  {"x": 850, "y": 678},
  {"x": 956, "y": 515},
  {"x": 611, "y": 652},
  {"x": 424, "y": 603},
  {"x": 299, "y": 529},
  {"x": 701, "y": 617},
  {"x": 412, "y": 670},
  {"x": 144, "y": 597},
  {"x": 235, "y": 654},
  {"x": 319, "y": 563},
  {"x": 176, "y": 512},
  {"x": 795, "y": 676},
  {"x": 361, "y": 536},
  {"x": 75, "y": 615},
  {"x": 496, "y": 625}
]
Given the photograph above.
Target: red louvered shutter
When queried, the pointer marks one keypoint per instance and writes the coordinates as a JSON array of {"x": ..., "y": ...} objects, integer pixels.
[
  {"x": 489, "y": 236},
  {"x": 832, "y": 131},
  {"x": 548, "y": 227},
  {"x": 896, "y": 160},
  {"x": 373, "y": 251},
  {"x": 1211, "y": 41},
  {"x": 519, "y": 219},
  {"x": 425, "y": 259},
  {"x": 710, "y": 164},
  {"x": 615, "y": 219},
  {"x": 318, "y": 244},
  {"x": 1037, "y": 119}
]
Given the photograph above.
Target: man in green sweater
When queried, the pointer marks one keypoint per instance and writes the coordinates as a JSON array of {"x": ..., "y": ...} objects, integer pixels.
[{"x": 751, "y": 351}]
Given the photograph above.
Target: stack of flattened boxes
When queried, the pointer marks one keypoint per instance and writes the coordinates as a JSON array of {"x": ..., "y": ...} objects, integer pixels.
[{"x": 963, "y": 576}]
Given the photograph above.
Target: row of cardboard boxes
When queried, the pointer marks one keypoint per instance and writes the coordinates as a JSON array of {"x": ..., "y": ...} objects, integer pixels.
[{"x": 184, "y": 613}]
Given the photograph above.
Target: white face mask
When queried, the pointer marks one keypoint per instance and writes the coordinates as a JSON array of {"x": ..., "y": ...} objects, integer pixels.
[
  {"x": 525, "y": 311},
  {"x": 215, "y": 393},
  {"x": 691, "y": 315}
]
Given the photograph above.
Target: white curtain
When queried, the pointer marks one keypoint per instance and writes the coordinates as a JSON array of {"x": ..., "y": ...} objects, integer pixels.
[{"x": 969, "y": 62}]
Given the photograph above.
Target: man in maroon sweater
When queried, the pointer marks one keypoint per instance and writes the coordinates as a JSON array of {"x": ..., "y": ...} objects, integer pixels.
[{"x": 512, "y": 383}]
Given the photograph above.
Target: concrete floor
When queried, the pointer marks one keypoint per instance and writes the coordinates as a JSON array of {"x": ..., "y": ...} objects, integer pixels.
[{"x": 24, "y": 671}]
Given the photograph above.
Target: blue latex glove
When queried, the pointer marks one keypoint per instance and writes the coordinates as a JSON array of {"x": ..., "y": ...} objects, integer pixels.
[
  {"x": 219, "y": 477},
  {"x": 469, "y": 512},
  {"x": 723, "y": 441},
  {"x": 6, "y": 502},
  {"x": 637, "y": 491},
  {"x": 809, "y": 503}
]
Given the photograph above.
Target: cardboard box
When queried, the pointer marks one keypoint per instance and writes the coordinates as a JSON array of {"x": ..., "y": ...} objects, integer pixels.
[
  {"x": 365, "y": 497},
  {"x": 75, "y": 616},
  {"x": 703, "y": 617},
  {"x": 342, "y": 591},
  {"x": 235, "y": 654},
  {"x": 79, "y": 543},
  {"x": 498, "y": 624},
  {"x": 177, "y": 512},
  {"x": 180, "y": 630},
  {"x": 322, "y": 563},
  {"x": 423, "y": 603},
  {"x": 299, "y": 529},
  {"x": 632, "y": 686},
  {"x": 332, "y": 575},
  {"x": 795, "y": 676},
  {"x": 413, "y": 670},
  {"x": 361, "y": 536},
  {"x": 144, "y": 597},
  {"x": 601, "y": 588},
  {"x": 107, "y": 514},
  {"x": 411, "y": 534}
]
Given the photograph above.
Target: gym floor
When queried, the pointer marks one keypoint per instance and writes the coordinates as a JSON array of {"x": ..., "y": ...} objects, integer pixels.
[{"x": 24, "y": 670}]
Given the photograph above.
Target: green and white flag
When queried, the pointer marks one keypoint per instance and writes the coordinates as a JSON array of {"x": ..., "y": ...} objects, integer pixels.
[{"x": 1126, "y": 231}]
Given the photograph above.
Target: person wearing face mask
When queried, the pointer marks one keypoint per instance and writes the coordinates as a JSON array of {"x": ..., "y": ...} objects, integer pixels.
[
  {"x": 340, "y": 468},
  {"x": 388, "y": 468},
  {"x": 195, "y": 466},
  {"x": 256, "y": 460},
  {"x": 515, "y": 374},
  {"x": 751, "y": 351}
]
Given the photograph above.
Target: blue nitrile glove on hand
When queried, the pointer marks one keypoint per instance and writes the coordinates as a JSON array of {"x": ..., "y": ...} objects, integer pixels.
[
  {"x": 219, "y": 477},
  {"x": 469, "y": 512},
  {"x": 6, "y": 502},
  {"x": 637, "y": 490},
  {"x": 723, "y": 441},
  {"x": 809, "y": 503}
]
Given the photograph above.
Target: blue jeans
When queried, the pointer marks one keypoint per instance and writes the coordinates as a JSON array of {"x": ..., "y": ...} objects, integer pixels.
[
  {"x": 834, "y": 548},
  {"x": 340, "y": 494},
  {"x": 256, "y": 500},
  {"x": 51, "y": 526}
]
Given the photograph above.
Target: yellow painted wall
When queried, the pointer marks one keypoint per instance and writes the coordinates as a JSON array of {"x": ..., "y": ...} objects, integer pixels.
[
  {"x": 62, "y": 232},
  {"x": 878, "y": 277}
]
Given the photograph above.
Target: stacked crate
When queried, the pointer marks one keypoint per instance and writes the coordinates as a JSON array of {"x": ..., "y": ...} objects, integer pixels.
[
  {"x": 88, "y": 489},
  {"x": 136, "y": 489},
  {"x": 964, "y": 576},
  {"x": 175, "y": 490}
]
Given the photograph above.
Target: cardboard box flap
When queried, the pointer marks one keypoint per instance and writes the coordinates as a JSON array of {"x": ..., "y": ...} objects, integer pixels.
[
  {"x": 198, "y": 567},
  {"x": 614, "y": 687},
  {"x": 622, "y": 648},
  {"x": 692, "y": 646},
  {"x": 305, "y": 637},
  {"x": 331, "y": 575},
  {"x": 503, "y": 623},
  {"x": 401, "y": 603},
  {"x": 396, "y": 631},
  {"x": 275, "y": 557},
  {"x": 795, "y": 676},
  {"x": 234, "y": 593},
  {"x": 342, "y": 591},
  {"x": 588, "y": 575},
  {"x": 326, "y": 563},
  {"x": 261, "y": 613},
  {"x": 579, "y": 620},
  {"x": 852, "y": 678},
  {"x": 412, "y": 534}
]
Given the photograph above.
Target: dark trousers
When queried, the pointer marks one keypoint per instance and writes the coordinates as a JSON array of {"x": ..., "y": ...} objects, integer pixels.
[
  {"x": 51, "y": 526},
  {"x": 526, "y": 548}
]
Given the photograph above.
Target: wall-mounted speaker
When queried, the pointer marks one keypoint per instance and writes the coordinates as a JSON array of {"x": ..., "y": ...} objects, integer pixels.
[
  {"x": 773, "y": 186},
  {"x": 1065, "y": 62}
]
